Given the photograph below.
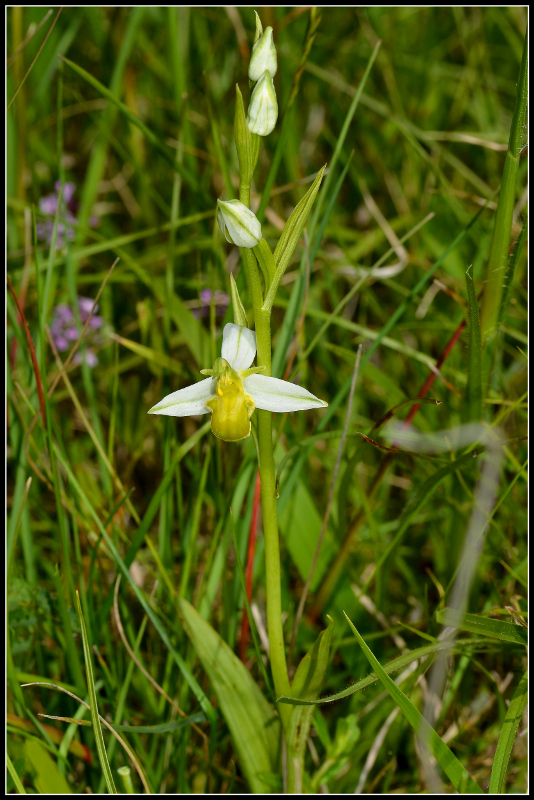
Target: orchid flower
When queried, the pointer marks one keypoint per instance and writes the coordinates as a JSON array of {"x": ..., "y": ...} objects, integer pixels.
[{"x": 234, "y": 389}]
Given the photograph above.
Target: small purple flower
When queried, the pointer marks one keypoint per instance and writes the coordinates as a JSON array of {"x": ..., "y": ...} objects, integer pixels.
[
  {"x": 65, "y": 331},
  {"x": 220, "y": 301},
  {"x": 48, "y": 205}
]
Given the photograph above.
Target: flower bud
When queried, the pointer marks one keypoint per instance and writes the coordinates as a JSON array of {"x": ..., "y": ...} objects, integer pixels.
[
  {"x": 238, "y": 223},
  {"x": 263, "y": 57},
  {"x": 263, "y": 108}
]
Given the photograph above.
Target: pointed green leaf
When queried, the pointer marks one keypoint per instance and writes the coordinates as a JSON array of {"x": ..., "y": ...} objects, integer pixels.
[
  {"x": 458, "y": 775},
  {"x": 251, "y": 719},
  {"x": 240, "y": 317},
  {"x": 290, "y": 236},
  {"x": 474, "y": 623}
]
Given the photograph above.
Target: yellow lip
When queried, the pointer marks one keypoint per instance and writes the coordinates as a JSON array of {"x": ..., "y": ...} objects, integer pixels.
[{"x": 231, "y": 410}]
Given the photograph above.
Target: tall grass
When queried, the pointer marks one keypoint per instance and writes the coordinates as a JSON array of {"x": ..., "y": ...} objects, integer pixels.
[{"x": 408, "y": 241}]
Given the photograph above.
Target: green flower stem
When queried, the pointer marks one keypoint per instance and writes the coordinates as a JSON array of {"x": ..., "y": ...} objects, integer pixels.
[
  {"x": 262, "y": 320},
  {"x": 277, "y": 654}
]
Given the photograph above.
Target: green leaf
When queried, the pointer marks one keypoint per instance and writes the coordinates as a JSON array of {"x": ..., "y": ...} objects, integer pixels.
[
  {"x": 505, "y": 631},
  {"x": 251, "y": 719},
  {"x": 512, "y": 719},
  {"x": 290, "y": 236},
  {"x": 240, "y": 317},
  {"x": 307, "y": 684},
  {"x": 460, "y": 778},
  {"x": 473, "y": 397},
  {"x": 48, "y": 778},
  {"x": 100, "y": 746}
]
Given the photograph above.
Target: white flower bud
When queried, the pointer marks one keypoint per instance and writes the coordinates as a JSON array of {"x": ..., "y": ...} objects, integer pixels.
[
  {"x": 238, "y": 223},
  {"x": 263, "y": 108},
  {"x": 263, "y": 57}
]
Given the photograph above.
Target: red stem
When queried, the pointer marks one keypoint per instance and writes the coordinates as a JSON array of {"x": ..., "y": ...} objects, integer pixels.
[{"x": 32, "y": 353}]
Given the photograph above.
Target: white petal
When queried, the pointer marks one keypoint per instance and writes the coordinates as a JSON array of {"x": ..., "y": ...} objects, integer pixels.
[
  {"x": 188, "y": 401},
  {"x": 239, "y": 346},
  {"x": 272, "y": 394}
]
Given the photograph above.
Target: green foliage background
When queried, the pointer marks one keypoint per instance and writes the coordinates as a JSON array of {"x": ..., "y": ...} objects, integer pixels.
[{"x": 429, "y": 135}]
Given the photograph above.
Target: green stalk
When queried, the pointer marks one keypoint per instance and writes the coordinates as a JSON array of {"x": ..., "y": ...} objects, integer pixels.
[
  {"x": 500, "y": 243},
  {"x": 262, "y": 320},
  {"x": 277, "y": 654}
]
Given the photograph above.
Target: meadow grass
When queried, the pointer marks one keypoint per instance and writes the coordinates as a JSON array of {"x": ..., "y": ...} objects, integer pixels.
[{"x": 130, "y": 538}]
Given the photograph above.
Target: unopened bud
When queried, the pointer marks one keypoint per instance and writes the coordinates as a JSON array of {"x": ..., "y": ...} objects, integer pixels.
[
  {"x": 263, "y": 57},
  {"x": 263, "y": 108},
  {"x": 238, "y": 223}
]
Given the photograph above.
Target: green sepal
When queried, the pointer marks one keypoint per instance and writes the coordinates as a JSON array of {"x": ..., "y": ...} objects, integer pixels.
[
  {"x": 265, "y": 259},
  {"x": 306, "y": 686},
  {"x": 247, "y": 143},
  {"x": 290, "y": 236},
  {"x": 240, "y": 318}
]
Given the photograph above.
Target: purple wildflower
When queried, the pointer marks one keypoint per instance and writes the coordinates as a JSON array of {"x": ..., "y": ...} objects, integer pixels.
[
  {"x": 65, "y": 331},
  {"x": 220, "y": 301},
  {"x": 48, "y": 206}
]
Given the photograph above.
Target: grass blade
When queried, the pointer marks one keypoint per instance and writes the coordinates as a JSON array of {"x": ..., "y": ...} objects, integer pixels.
[
  {"x": 474, "y": 623},
  {"x": 460, "y": 778},
  {"x": 100, "y": 746},
  {"x": 515, "y": 711},
  {"x": 134, "y": 120}
]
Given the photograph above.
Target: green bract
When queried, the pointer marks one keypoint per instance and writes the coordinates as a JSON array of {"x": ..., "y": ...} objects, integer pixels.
[
  {"x": 238, "y": 223},
  {"x": 247, "y": 143},
  {"x": 263, "y": 108},
  {"x": 240, "y": 317},
  {"x": 259, "y": 28}
]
